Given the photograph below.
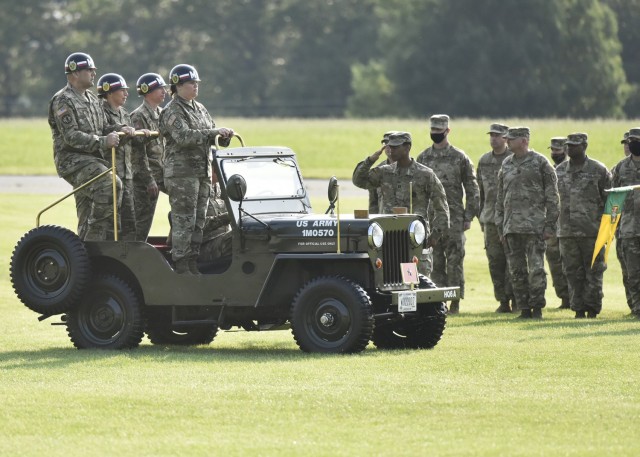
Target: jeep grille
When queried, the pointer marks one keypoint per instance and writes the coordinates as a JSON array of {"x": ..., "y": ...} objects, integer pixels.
[{"x": 395, "y": 250}]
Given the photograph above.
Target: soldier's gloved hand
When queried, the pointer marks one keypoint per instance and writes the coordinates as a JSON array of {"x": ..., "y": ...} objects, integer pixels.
[
  {"x": 113, "y": 140},
  {"x": 467, "y": 226},
  {"x": 225, "y": 132},
  {"x": 152, "y": 190},
  {"x": 130, "y": 131}
]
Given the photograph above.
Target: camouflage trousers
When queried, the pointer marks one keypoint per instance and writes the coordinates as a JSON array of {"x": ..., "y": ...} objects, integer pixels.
[
  {"x": 145, "y": 208},
  {"x": 188, "y": 198},
  {"x": 525, "y": 256},
  {"x": 425, "y": 266},
  {"x": 216, "y": 247},
  {"x": 631, "y": 253},
  {"x": 448, "y": 259},
  {"x": 554, "y": 259},
  {"x": 585, "y": 283},
  {"x": 94, "y": 203},
  {"x": 498, "y": 267},
  {"x": 623, "y": 267},
  {"x": 127, "y": 215}
]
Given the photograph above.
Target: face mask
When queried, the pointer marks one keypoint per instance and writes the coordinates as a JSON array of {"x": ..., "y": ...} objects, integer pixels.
[
  {"x": 634, "y": 147},
  {"x": 437, "y": 137},
  {"x": 557, "y": 158}
]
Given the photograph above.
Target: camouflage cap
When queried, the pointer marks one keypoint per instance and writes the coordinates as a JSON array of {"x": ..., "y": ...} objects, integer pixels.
[
  {"x": 439, "y": 121},
  {"x": 634, "y": 133},
  {"x": 498, "y": 128},
  {"x": 577, "y": 138},
  {"x": 517, "y": 132},
  {"x": 385, "y": 137},
  {"x": 624, "y": 138},
  {"x": 557, "y": 142},
  {"x": 399, "y": 138}
]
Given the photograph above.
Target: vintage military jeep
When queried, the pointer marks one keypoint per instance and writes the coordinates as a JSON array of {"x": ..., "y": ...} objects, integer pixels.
[{"x": 336, "y": 281}]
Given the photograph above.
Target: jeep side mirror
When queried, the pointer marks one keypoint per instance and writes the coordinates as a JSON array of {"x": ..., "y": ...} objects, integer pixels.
[
  {"x": 333, "y": 190},
  {"x": 236, "y": 188}
]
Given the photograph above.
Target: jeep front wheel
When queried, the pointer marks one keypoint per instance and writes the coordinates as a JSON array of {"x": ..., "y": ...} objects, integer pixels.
[
  {"x": 108, "y": 316},
  {"x": 332, "y": 314}
]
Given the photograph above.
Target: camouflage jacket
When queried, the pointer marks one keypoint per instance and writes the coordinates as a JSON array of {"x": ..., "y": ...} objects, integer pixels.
[
  {"x": 394, "y": 182},
  {"x": 488, "y": 168},
  {"x": 627, "y": 173},
  {"x": 187, "y": 129},
  {"x": 527, "y": 199},
  {"x": 78, "y": 126},
  {"x": 375, "y": 195},
  {"x": 455, "y": 171},
  {"x": 120, "y": 118},
  {"x": 582, "y": 197},
  {"x": 147, "y": 152},
  {"x": 217, "y": 221}
]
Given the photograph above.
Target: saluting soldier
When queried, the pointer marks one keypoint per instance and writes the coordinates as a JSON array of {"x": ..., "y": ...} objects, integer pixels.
[
  {"x": 526, "y": 215},
  {"x": 488, "y": 168},
  {"x": 581, "y": 184},
  {"x": 627, "y": 173},
  {"x": 82, "y": 139},
  {"x": 148, "y": 178},
  {"x": 189, "y": 131},
  {"x": 554, "y": 259},
  {"x": 395, "y": 180},
  {"x": 112, "y": 88},
  {"x": 455, "y": 171}
]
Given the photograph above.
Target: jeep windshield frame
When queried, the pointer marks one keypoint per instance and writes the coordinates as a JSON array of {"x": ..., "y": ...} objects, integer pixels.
[{"x": 273, "y": 178}]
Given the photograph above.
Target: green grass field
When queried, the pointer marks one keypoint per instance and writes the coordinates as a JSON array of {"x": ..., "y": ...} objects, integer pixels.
[{"x": 493, "y": 386}]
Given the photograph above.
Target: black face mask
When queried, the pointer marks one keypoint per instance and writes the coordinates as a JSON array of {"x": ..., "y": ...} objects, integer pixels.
[
  {"x": 634, "y": 147},
  {"x": 557, "y": 158},
  {"x": 437, "y": 137}
]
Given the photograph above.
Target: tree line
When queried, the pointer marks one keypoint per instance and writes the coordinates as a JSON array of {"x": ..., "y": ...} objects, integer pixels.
[{"x": 335, "y": 58}]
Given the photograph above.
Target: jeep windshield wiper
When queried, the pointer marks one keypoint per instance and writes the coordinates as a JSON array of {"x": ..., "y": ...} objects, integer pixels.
[{"x": 284, "y": 163}]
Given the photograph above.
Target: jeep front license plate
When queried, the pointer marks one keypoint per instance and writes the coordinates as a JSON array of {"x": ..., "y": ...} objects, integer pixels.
[{"x": 407, "y": 301}]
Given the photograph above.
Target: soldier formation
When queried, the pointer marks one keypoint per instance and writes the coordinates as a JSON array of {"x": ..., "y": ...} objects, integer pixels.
[
  {"x": 177, "y": 161},
  {"x": 525, "y": 206}
]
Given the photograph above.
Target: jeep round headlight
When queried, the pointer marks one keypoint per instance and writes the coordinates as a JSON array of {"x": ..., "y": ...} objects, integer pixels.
[
  {"x": 417, "y": 233},
  {"x": 376, "y": 235}
]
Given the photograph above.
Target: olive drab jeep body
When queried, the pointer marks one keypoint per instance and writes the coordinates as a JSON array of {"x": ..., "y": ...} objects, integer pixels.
[{"x": 335, "y": 280}]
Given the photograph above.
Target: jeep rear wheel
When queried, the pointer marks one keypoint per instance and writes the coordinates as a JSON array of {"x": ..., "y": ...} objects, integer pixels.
[
  {"x": 50, "y": 269},
  {"x": 107, "y": 317},
  {"x": 332, "y": 314}
]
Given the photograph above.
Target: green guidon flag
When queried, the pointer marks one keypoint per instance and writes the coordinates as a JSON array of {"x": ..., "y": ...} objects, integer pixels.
[{"x": 610, "y": 219}]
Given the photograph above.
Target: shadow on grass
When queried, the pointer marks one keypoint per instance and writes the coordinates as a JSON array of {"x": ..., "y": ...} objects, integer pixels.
[{"x": 241, "y": 353}]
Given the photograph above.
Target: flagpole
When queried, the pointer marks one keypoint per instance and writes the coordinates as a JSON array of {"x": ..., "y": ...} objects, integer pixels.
[{"x": 623, "y": 189}]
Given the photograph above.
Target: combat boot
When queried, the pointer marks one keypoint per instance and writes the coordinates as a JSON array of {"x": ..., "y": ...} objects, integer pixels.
[
  {"x": 565, "y": 304},
  {"x": 580, "y": 315},
  {"x": 525, "y": 314},
  {"x": 591, "y": 314},
  {"x": 504, "y": 307},
  {"x": 182, "y": 267},
  {"x": 193, "y": 266},
  {"x": 537, "y": 313},
  {"x": 455, "y": 307}
]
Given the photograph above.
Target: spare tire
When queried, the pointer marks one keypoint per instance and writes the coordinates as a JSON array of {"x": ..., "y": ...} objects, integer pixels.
[{"x": 50, "y": 269}]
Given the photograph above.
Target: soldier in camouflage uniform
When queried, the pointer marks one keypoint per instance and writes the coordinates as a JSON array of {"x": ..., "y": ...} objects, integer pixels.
[
  {"x": 526, "y": 215},
  {"x": 189, "y": 131},
  {"x": 619, "y": 255},
  {"x": 81, "y": 141},
  {"x": 396, "y": 179},
  {"x": 455, "y": 171},
  {"x": 581, "y": 184},
  {"x": 112, "y": 88},
  {"x": 375, "y": 194},
  {"x": 488, "y": 168},
  {"x": 554, "y": 259},
  {"x": 627, "y": 173},
  {"x": 147, "y": 152}
]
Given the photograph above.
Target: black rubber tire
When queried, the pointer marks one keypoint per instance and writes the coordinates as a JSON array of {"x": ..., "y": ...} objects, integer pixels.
[
  {"x": 109, "y": 316},
  {"x": 422, "y": 330},
  {"x": 50, "y": 269},
  {"x": 332, "y": 314},
  {"x": 161, "y": 333}
]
